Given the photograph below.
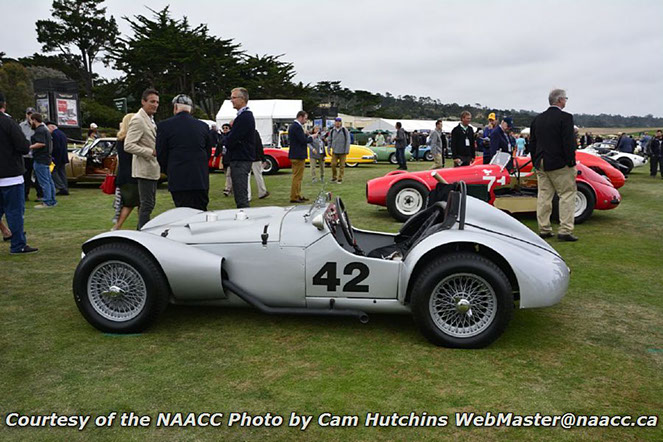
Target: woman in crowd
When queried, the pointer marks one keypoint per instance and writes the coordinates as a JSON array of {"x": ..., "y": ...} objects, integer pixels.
[
  {"x": 128, "y": 185},
  {"x": 316, "y": 153}
]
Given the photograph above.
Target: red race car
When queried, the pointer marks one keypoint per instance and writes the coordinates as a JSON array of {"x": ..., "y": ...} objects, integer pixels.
[
  {"x": 275, "y": 159},
  {"x": 405, "y": 193},
  {"x": 594, "y": 162}
]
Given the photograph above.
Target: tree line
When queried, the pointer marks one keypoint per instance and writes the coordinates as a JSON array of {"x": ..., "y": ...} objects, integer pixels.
[{"x": 174, "y": 56}]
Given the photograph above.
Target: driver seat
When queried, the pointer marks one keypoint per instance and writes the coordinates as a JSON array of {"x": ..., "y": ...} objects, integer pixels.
[{"x": 413, "y": 229}]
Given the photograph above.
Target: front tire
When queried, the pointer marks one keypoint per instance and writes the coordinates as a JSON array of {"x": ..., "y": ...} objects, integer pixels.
[
  {"x": 584, "y": 204},
  {"x": 405, "y": 198},
  {"x": 462, "y": 300},
  {"x": 269, "y": 166},
  {"x": 119, "y": 288},
  {"x": 626, "y": 162},
  {"x": 428, "y": 156},
  {"x": 392, "y": 158}
]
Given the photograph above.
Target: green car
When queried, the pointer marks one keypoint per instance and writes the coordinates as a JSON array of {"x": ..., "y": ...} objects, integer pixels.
[{"x": 388, "y": 153}]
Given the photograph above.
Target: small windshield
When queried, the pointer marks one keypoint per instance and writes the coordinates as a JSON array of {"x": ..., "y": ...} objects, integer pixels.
[{"x": 501, "y": 159}]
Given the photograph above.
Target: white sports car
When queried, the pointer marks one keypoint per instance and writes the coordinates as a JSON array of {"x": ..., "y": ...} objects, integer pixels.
[
  {"x": 629, "y": 160},
  {"x": 458, "y": 267}
]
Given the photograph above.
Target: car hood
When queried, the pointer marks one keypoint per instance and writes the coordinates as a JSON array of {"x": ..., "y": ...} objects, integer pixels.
[{"x": 193, "y": 226}]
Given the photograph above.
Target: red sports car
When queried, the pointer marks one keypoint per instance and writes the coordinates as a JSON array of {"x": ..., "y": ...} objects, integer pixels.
[
  {"x": 404, "y": 193},
  {"x": 275, "y": 159}
]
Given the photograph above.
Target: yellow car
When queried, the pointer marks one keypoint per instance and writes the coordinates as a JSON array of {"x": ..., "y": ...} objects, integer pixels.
[{"x": 358, "y": 154}]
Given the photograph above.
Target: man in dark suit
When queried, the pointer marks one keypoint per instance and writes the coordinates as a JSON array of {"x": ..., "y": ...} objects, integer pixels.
[
  {"x": 500, "y": 141},
  {"x": 298, "y": 154},
  {"x": 183, "y": 148},
  {"x": 462, "y": 141},
  {"x": 240, "y": 144},
  {"x": 553, "y": 150}
]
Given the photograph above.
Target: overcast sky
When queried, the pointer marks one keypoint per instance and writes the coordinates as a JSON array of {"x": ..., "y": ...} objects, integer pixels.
[{"x": 607, "y": 54}]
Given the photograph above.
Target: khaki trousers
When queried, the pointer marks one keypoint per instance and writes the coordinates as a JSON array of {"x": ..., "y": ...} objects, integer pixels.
[
  {"x": 340, "y": 160},
  {"x": 563, "y": 182},
  {"x": 438, "y": 161},
  {"x": 297, "y": 175}
]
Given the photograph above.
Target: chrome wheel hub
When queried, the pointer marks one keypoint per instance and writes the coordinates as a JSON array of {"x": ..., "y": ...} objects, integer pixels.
[
  {"x": 463, "y": 305},
  {"x": 116, "y": 291}
]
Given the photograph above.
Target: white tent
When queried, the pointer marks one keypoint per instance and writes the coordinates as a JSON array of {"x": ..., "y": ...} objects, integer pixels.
[
  {"x": 409, "y": 125},
  {"x": 266, "y": 113}
]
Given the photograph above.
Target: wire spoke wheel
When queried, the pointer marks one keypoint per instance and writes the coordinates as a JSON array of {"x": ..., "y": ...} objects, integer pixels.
[
  {"x": 463, "y": 305},
  {"x": 116, "y": 291}
]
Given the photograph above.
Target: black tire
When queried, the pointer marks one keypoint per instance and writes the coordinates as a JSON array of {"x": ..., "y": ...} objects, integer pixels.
[
  {"x": 585, "y": 202},
  {"x": 351, "y": 164},
  {"x": 428, "y": 156},
  {"x": 392, "y": 158},
  {"x": 442, "y": 315},
  {"x": 132, "y": 268},
  {"x": 269, "y": 166},
  {"x": 626, "y": 162},
  {"x": 405, "y": 198}
]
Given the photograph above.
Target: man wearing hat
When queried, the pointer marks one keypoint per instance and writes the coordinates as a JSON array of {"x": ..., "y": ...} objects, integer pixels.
[
  {"x": 339, "y": 146},
  {"x": 183, "y": 148},
  {"x": 553, "y": 148},
  {"x": 12, "y": 199},
  {"x": 26, "y": 127},
  {"x": 499, "y": 139},
  {"x": 485, "y": 140}
]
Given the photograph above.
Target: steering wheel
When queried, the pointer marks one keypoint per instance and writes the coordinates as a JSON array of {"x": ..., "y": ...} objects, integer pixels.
[{"x": 346, "y": 227}]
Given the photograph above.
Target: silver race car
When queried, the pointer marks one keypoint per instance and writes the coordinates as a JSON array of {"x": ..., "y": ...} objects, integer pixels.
[{"x": 458, "y": 267}]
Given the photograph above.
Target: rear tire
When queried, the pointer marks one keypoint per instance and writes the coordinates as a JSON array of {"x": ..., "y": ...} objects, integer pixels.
[
  {"x": 119, "y": 288},
  {"x": 405, "y": 198},
  {"x": 428, "y": 156},
  {"x": 462, "y": 300},
  {"x": 269, "y": 166},
  {"x": 392, "y": 158},
  {"x": 585, "y": 202},
  {"x": 352, "y": 164}
]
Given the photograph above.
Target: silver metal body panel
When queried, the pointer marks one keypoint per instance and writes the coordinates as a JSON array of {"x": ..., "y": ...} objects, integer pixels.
[
  {"x": 379, "y": 278},
  {"x": 192, "y": 273},
  {"x": 542, "y": 275}
]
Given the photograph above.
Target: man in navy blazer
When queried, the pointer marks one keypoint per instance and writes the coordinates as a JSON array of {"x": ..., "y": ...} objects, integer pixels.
[
  {"x": 553, "y": 149},
  {"x": 499, "y": 139},
  {"x": 183, "y": 149},
  {"x": 240, "y": 146},
  {"x": 298, "y": 154}
]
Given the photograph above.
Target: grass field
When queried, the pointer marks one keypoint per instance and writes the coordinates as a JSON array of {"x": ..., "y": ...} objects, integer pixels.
[{"x": 600, "y": 351}]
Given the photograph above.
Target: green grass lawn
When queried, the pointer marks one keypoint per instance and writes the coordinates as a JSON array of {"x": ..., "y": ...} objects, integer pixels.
[{"x": 600, "y": 351}]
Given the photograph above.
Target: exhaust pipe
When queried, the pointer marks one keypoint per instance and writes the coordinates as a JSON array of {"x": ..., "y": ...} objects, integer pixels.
[{"x": 257, "y": 303}]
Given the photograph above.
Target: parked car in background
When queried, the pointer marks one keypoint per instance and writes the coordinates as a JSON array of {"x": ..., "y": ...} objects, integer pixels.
[
  {"x": 93, "y": 161},
  {"x": 406, "y": 193}
]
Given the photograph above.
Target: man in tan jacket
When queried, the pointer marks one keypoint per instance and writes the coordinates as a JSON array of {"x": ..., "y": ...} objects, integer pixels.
[{"x": 141, "y": 142}]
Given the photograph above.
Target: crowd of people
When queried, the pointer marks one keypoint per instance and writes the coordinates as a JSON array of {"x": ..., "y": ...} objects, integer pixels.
[{"x": 181, "y": 146}]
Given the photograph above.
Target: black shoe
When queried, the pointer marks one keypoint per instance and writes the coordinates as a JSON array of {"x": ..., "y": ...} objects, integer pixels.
[
  {"x": 545, "y": 235},
  {"x": 62, "y": 192},
  {"x": 567, "y": 237},
  {"x": 303, "y": 198},
  {"x": 264, "y": 196},
  {"x": 26, "y": 249}
]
